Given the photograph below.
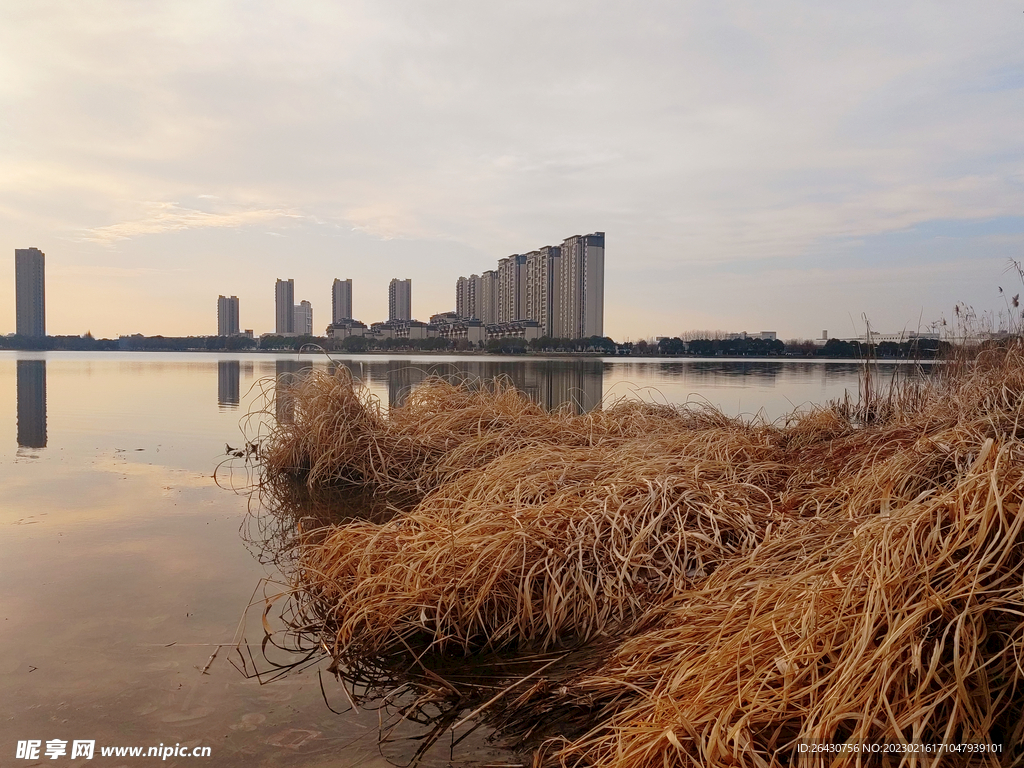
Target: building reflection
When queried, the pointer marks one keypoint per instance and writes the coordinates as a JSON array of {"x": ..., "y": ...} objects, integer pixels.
[
  {"x": 288, "y": 373},
  {"x": 578, "y": 385},
  {"x": 552, "y": 384},
  {"x": 228, "y": 383},
  {"x": 402, "y": 378},
  {"x": 32, "y": 403}
]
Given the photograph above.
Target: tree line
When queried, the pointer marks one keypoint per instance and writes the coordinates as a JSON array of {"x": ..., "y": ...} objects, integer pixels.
[{"x": 670, "y": 347}]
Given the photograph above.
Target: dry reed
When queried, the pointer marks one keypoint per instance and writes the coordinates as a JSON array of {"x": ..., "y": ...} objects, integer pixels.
[{"x": 831, "y": 578}]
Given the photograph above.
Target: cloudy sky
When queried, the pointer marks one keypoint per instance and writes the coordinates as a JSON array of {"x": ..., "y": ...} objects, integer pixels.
[{"x": 792, "y": 166}]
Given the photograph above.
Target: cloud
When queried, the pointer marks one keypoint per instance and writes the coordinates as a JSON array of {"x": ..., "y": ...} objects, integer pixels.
[
  {"x": 162, "y": 217},
  {"x": 454, "y": 133}
]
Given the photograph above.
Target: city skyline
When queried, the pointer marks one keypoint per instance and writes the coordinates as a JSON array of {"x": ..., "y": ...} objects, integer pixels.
[{"x": 794, "y": 166}]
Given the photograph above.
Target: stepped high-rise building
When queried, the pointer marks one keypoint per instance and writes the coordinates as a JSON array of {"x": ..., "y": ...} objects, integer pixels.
[
  {"x": 559, "y": 287},
  {"x": 581, "y": 286},
  {"x": 303, "y": 322},
  {"x": 341, "y": 300},
  {"x": 400, "y": 300},
  {"x": 284, "y": 298},
  {"x": 30, "y": 291},
  {"x": 227, "y": 316}
]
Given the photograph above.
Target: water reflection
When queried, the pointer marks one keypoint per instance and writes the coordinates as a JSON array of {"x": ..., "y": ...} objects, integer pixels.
[
  {"x": 228, "y": 383},
  {"x": 768, "y": 389},
  {"x": 32, "y": 403},
  {"x": 414, "y": 713},
  {"x": 127, "y": 649},
  {"x": 287, "y": 375},
  {"x": 552, "y": 384}
]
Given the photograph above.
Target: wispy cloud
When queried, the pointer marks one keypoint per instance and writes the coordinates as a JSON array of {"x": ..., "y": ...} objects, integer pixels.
[
  {"x": 162, "y": 217},
  {"x": 70, "y": 273}
]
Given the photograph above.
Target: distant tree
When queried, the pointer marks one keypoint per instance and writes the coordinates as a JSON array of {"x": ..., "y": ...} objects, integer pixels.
[
  {"x": 838, "y": 348},
  {"x": 601, "y": 344},
  {"x": 355, "y": 344},
  {"x": 803, "y": 347},
  {"x": 705, "y": 335},
  {"x": 275, "y": 342},
  {"x": 673, "y": 346},
  {"x": 888, "y": 349},
  {"x": 510, "y": 346},
  {"x": 239, "y": 342},
  {"x": 703, "y": 347}
]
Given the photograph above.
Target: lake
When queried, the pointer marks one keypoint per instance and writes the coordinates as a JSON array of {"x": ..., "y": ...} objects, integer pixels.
[{"x": 124, "y": 566}]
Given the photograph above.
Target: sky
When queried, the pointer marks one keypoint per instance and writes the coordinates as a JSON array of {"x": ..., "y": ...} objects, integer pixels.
[{"x": 788, "y": 166}]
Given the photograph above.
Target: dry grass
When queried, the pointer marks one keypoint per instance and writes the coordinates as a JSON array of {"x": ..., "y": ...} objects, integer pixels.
[{"x": 852, "y": 574}]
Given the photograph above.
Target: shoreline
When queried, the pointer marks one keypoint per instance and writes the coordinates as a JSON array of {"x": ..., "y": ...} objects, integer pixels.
[{"x": 485, "y": 355}]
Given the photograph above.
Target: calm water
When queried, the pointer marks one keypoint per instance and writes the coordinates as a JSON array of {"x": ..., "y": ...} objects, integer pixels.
[{"x": 123, "y": 565}]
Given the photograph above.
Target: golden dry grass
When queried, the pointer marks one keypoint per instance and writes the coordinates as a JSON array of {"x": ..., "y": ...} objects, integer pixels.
[{"x": 847, "y": 575}]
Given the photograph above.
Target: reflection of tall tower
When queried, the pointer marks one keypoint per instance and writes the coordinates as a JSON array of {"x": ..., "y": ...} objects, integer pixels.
[
  {"x": 228, "y": 388},
  {"x": 288, "y": 377},
  {"x": 579, "y": 383},
  {"x": 402, "y": 379},
  {"x": 30, "y": 291},
  {"x": 32, "y": 403}
]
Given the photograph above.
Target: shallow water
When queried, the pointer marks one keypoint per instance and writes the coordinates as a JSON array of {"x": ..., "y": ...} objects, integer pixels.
[{"x": 123, "y": 565}]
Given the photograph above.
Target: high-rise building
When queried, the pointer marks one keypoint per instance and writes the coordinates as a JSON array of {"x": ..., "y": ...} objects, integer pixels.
[
  {"x": 512, "y": 288},
  {"x": 400, "y": 300},
  {"x": 467, "y": 302},
  {"x": 487, "y": 297},
  {"x": 284, "y": 296},
  {"x": 341, "y": 300},
  {"x": 30, "y": 291},
  {"x": 227, "y": 316},
  {"x": 303, "y": 318},
  {"x": 462, "y": 297},
  {"x": 542, "y": 295},
  {"x": 581, "y": 287}
]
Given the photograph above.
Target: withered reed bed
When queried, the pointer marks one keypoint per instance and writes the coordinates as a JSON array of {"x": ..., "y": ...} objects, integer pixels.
[{"x": 853, "y": 574}]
